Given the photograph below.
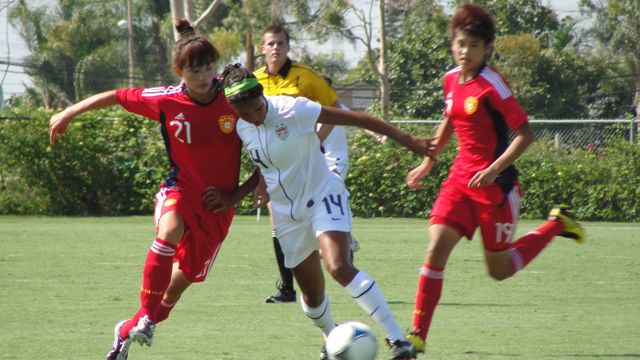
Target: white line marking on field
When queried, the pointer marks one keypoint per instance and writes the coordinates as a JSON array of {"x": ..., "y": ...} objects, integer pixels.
[
  {"x": 118, "y": 263},
  {"x": 620, "y": 257},
  {"x": 244, "y": 266}
]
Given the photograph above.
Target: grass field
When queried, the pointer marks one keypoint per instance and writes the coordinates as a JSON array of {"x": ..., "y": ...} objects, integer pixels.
[{"x": 65, "y": 283}]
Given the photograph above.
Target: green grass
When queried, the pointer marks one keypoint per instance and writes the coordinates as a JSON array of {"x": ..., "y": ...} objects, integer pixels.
[{"x": 65, "y": 282}]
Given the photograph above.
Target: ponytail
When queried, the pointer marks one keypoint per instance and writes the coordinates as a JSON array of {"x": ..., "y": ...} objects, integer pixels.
[
  {"x": 192, "y": 50},
  {"x": 233, "y": 74}
]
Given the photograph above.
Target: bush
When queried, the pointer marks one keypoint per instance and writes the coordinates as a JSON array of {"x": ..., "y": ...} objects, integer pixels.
[
  {"x": 114, "y": 167},
  {"x": 100, "y": 167}
]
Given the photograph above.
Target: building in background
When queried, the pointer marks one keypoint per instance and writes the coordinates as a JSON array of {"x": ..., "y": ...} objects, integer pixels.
[{"x": 358, "y": 96}]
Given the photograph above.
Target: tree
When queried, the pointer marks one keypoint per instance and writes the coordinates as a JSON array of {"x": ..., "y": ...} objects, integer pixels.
[
  {"x": 549, "y": 83},
  {"x": 519, "y": 16},
  {"x": 616, "y": 25},
  {"x": 330, "y": 20},
  {"x": 252, "y": 17},
  {"x": 76, "y": 49},
  {"x": 333, "y": 64},
  {"x": 59, "y": 39}
]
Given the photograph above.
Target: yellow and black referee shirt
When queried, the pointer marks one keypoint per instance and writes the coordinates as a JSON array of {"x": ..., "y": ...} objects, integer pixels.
[{"x": 296, "y": 80}]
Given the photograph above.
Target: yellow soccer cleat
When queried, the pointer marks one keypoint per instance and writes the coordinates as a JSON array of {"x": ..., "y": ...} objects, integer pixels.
[
  {"x": 572, "y": 228},
  {"x": 417, "y": 341}
]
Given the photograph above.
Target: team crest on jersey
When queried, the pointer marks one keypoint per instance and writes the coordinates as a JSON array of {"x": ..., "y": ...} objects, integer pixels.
[
  {"x": 170, "y": 202},
  {"x": 282, "y": 132},
  {"x": 227, "y": 123},
  {"x": 470, "y": 105}
]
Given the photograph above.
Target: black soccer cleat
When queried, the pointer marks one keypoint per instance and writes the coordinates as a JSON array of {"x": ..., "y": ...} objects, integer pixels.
[{"x": 284, "y": 295}]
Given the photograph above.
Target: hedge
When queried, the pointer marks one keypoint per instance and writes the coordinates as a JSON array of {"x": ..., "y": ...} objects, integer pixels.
[{"x": 104, "y": 166}]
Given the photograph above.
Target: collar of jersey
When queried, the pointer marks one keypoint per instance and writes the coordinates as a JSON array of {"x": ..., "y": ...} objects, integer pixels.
[{"x": 284, "y": 70}]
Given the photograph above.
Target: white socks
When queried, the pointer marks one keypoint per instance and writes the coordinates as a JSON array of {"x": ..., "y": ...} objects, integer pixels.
[
  {"x": 368, "y": 295},
  {"x": 321, "y": 316}
]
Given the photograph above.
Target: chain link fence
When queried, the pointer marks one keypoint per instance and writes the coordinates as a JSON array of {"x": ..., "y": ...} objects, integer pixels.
[{"x": 583, "y": 134}]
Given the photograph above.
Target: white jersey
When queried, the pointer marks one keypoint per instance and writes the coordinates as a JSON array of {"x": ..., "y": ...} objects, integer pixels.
[
  {"x": 287, "y": 150},
  {"x": 336, "y": 148}
]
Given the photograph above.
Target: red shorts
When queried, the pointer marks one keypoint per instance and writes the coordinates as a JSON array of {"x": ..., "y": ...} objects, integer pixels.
[
  {"x": 204, "y": 231},
  {"x": 489, "y": 208}
]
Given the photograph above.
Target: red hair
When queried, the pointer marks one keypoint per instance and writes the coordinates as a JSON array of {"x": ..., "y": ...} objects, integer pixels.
[
  {"x": 475, "y": 21},
  {"x": 191, "y": 50}
]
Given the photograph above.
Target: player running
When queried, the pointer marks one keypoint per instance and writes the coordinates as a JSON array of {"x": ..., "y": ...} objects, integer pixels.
[
  {"x": 310, "y": 203},
  {"x": 482, "y": 189},
  {"x": 198, "y": 128},
  {"x": 282, "y": 76}
]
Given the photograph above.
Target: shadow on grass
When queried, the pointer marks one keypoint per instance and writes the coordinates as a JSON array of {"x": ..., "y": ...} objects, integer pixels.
[
  {"x": 575, "y": 355},
  {"x": 459, "y": 304}
]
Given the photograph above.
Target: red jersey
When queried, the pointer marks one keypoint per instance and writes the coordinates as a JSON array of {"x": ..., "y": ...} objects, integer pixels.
[
  {"x": 202, "y": 144},
  {"x": 482, "y": 111}
]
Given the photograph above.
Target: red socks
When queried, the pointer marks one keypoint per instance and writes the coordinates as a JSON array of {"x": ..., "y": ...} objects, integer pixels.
[
  {"x": 164, "y": 310},
  {"x": 429, "y": 291},
  {"x": 155, "y": 280},
  {"x": 529, "y": 246}
]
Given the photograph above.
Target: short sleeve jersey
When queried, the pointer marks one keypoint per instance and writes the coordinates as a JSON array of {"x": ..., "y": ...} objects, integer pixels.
[
  {"x": 296, "y": 80},
  {"x": 201, "y": 142},
  {"x": 287, "y": 150},
  {"x": 482, "y": 111}
]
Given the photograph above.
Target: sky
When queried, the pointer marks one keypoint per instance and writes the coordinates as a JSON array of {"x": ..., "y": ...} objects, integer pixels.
[{"x": 13, "y": 47}]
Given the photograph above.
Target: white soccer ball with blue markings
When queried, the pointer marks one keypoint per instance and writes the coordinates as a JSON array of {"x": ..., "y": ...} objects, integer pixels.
[{"x": 352, "y": 341}]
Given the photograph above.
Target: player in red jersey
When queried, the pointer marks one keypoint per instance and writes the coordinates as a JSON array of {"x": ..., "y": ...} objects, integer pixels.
[
  {"x": 482, "y": 189},
  {"x": 198, "y": 128}
]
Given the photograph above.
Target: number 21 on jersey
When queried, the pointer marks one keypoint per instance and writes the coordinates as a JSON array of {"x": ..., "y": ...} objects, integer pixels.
[{"x": 187, "y": 130}]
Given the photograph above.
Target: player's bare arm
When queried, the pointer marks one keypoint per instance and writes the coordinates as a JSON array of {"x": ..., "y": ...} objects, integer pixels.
[
  {"x": 215, "y": 196},
  {"x": 326, "y": 129},
  {"x": 260, "y": 194},
  {"x": 443, "y": 134},
  {"x": 330, "y": 115},
  {"x": 524, "y": 137},
  {"x": 60, "y": 121}
]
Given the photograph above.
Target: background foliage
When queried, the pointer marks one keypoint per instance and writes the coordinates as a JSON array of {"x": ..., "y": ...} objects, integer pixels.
[{"x": 114, "y": 167}]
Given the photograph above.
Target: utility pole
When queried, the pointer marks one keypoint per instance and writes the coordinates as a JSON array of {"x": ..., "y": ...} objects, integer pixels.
[
  {"x": 131, "y": 57},
  {"x": 383, "y": 68}
]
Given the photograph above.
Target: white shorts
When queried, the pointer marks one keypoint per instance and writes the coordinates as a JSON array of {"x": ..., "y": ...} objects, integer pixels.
[
  {"x": 298, "y": 239},
  {"x": 340, "y": 166}
]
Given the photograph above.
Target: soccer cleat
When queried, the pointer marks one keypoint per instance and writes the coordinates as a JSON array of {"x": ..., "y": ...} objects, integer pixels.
[
  {"x": 143, "y": 332},
  {"x": 417, "y": 341},
  {"x": 323, "y": 353},
  {"x": 572, "y": 228},
  {"x": 120, "y": 349},
  {"x": 401, "y": 350},
  {"x": 284, "y": 295}
]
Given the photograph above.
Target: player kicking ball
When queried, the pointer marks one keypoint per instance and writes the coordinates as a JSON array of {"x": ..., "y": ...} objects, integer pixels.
[
  {"x": 310, "y": 203},
  {"x": 482, "y": 189}
]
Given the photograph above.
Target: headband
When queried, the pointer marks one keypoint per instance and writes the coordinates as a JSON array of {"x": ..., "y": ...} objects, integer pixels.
[{"x": 240, "y": 86}]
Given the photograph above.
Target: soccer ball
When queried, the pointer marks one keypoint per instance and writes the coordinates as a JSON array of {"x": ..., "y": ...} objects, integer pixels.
[{"x": 352, "y": 341}]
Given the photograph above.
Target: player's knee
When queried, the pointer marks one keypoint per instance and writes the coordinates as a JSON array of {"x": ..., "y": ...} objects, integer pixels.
[
  {"x": 341, "y": 272},
  {"x": 171, "y": 227}
]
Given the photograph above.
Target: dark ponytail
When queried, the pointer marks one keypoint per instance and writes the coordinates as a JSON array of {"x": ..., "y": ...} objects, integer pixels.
[
  {"x": 192, "y": 50},
  {"x": 232, "y": 74}
]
